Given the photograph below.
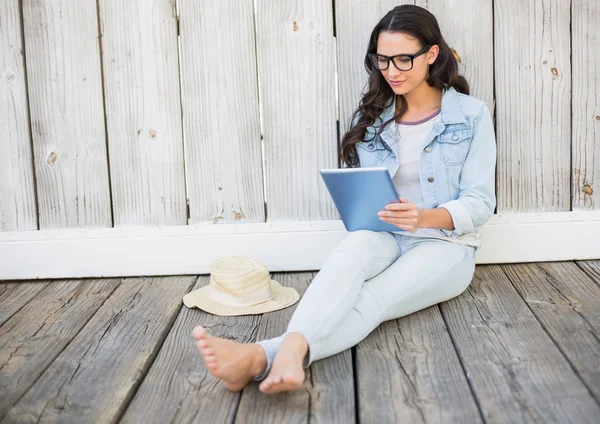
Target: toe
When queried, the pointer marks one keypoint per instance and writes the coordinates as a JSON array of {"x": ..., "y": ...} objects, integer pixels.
[
  {"x": 199, "y": 332},
  {"x": 201, "y": 349},
  {"x": 265, "y": 385}
]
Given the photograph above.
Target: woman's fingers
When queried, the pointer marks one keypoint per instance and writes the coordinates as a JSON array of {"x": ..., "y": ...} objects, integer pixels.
[{"x": 399, "y": 214}]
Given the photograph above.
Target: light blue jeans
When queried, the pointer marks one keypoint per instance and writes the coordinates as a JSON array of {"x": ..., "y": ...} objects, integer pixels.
[{"x": 372, "y": 277}]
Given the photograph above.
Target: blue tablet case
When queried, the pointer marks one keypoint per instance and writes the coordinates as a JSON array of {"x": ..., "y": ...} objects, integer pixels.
[{"x": 358, "y": 194}]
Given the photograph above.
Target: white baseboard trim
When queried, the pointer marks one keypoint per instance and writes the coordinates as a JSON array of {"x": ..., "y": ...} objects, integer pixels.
[{"x": 285, "y": 246}]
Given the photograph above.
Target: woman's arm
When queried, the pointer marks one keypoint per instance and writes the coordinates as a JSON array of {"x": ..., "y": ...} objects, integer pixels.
[
  {"x": 477, "y": 198},
  {"x": 406, "y": 216}
]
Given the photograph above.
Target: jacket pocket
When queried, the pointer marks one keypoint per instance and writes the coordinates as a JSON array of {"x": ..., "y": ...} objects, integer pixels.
[
  {"x": 455, "y": 146},
  {"x": 371, "y": 153}
]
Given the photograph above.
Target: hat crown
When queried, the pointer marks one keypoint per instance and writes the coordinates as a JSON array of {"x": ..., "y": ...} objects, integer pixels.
[{"x": 239, "y": 276}]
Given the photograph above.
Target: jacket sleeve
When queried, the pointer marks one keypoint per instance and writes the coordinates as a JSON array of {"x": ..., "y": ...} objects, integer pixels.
[{"x": 477, "y": 197}]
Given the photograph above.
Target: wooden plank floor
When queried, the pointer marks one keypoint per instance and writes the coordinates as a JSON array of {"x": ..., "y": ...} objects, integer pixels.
[{"x": 522, "y": 344}]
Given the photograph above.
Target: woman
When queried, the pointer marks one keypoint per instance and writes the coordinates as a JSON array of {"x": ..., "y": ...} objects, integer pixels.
[{"x": 417, "y": 120}]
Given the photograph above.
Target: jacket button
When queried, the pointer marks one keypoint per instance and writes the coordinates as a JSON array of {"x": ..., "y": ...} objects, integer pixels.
[
  {"x": 428, "y": 149},
  {"x": 435, "y": 205},
  {"x": 455, "y": 137},
  {"x": 370, "y": 146},
  {"x": 430, "y": 179}
]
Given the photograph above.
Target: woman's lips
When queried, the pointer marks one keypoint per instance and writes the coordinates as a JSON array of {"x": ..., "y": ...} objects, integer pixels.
[{"x": 397, "y": 83}]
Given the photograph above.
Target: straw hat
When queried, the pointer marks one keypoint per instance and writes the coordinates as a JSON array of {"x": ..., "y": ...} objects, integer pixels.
[{"x": 240, "y": 286}]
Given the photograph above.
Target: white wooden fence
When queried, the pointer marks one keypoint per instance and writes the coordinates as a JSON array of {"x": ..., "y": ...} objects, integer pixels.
[{"x": 153, "y": 136}]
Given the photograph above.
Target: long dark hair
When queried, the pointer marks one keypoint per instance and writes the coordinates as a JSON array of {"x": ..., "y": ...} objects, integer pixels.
[{"x": 443, "y": 73}]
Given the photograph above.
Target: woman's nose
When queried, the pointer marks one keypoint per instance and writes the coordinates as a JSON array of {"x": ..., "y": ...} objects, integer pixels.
[{"x": 393, "y": 71}]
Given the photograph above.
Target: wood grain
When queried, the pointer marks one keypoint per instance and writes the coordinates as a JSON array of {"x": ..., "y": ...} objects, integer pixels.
[
  {"x": 143, "y": 112},
  {"x": 32, "y": 338},
  {"x": 515, "y": 370},
  {"x": 418, "y": 374},
  {"x": 67, "y": 115},
  {"x": 586, "y": 104},
  {"x": 533, "y": 103},
  {"x": 14, "y": 296},
  {"x": 471, "y": 37},
  {"x": 296, "y": 59},
  {"x": 194, "y": 395},
  {"x": 18, "y": 209},
  {"x": 96, "y": 375},
  {"x": 565, "y": 300},
  {"x": 591, "y": 268},
  {"x": 353, "y": 29},
  {"x": 219, "y": 83}
]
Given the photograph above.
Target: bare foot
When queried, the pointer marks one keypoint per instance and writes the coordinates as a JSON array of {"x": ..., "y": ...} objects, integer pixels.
[
  {"x": 235, "y": 364},
  {"x": 287, "y": 373}
]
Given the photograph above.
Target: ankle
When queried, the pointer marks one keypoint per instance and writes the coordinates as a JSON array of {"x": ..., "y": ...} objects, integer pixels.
[
  {"x": 297, "y": 342},
  {"x": 259, "y": 360}
]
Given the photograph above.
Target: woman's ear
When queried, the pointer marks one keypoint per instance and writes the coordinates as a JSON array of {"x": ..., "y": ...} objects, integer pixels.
[{"x": 432, "y": 54}]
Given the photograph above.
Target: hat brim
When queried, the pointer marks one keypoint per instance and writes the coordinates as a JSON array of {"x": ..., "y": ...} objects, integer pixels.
[{"x": 283, "y": 297}]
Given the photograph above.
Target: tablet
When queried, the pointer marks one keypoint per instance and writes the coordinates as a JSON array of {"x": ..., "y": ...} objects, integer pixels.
[{"x": 358, "y": 194}]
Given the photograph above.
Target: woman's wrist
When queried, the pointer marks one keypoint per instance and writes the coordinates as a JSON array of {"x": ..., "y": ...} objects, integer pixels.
[{"x": 438, "y": 218}]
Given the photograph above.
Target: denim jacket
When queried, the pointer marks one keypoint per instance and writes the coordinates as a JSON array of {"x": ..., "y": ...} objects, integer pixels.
[{"x": 458, "y": 160}]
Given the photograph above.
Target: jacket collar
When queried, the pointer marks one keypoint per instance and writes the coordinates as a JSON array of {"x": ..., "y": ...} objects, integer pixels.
[{"x": 452, "y": 113}]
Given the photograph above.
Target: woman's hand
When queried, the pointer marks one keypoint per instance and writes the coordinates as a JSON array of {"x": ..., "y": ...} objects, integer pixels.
[{"x": 404, "y": 215}]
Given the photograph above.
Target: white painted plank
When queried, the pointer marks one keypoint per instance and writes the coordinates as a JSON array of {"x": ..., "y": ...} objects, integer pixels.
[
  {"x": 67, "y": 117},
  {"x": 284, "y": 246},
  {"x": 471, "y": 37},
  {"x": 354, "y": 25},
  {"x": 533, "y": 105},
  {"x": 18, "y": 210},
  {"x": 296, "y": 56},
  {"x": 221, "y": 111},
  {"x": 585, "y": 32},
  {"x": 143, "y": 111}
]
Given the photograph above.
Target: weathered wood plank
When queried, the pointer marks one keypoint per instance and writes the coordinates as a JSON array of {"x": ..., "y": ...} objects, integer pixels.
[
  {"x": 223, "y": 151},
  {"x": 32, "y": 338},
  {"x": 567, "y": 303},
  {"x": 591, "y": 268},
  {"x": 296, "y": 58},
  {"x": 471, "y": 37},
  {"x": 586, "y": 104},
  {"x": 13, "y": 296},
  {"x": 353, "y": 29},
  {"x": 194, "y": 395},
  {"x": 143, "y": 111},
  {"x": 327, "y": 394},
  {"x": 18, "y": 210},
  {"x": 67, "y": 116},
  {"x": 533, "y": 105},
  {"x": 99, "y": 371},
  {"x": 515, "y": 370},
  {"x": 408, "y": 371}
]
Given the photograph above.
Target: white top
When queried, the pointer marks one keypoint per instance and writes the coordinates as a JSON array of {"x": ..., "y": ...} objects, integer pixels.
[{"x": 411, "y": 140}]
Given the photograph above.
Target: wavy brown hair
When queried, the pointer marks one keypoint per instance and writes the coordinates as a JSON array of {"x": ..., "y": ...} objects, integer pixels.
[{"x": 422, "y": 25}]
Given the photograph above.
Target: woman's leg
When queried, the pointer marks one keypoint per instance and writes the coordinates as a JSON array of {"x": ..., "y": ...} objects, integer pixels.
[
  {"x": 333, "y": 292},
  {"x": 428, "y": 272},
  {"x": 329, "y": 298}
]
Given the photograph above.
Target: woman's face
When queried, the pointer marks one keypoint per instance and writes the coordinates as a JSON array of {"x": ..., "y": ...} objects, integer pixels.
[{"x": 395, "y": 43}]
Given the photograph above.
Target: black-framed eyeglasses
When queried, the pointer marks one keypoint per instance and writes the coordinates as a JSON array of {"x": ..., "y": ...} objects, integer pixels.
[{"x": 402, "y": 62}]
